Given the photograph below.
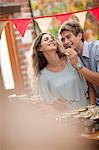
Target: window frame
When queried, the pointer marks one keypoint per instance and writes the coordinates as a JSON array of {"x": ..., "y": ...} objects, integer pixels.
[{"x": 13, "y": 55}]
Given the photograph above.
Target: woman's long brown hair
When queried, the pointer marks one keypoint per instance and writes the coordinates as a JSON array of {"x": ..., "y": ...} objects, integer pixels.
[{"x": 39, "y": 60}]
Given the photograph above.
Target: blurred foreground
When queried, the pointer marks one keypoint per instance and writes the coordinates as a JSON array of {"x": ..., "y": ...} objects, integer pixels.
[{"x": 26, "y": 125}]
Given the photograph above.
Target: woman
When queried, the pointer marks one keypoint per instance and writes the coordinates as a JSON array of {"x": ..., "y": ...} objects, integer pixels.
[{"x": 56, "y": 80}]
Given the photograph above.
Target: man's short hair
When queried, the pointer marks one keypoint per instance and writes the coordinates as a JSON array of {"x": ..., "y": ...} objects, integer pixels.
[{"x": 73, "y": 27}]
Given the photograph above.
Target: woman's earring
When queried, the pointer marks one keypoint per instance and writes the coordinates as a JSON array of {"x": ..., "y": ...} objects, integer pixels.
[{"x": 40, "y": 49}]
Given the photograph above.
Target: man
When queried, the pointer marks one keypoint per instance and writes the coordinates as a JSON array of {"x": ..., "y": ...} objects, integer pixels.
[{"x": 72, "y": 37}]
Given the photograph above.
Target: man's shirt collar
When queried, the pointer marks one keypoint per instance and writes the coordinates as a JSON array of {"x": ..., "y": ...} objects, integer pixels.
[{"x": 85, "y": 52}]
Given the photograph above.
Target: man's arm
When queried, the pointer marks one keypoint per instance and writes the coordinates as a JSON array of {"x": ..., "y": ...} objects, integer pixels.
[
  {"x": 92, "y": 77},
  {"x": 91, "y": 93}
]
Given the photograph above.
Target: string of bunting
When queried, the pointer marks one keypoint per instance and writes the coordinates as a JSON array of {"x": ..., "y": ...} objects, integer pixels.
[{"x": 44, "y": 21}]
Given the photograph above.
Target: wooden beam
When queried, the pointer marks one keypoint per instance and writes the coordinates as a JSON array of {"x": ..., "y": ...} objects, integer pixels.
[{"x": 13, "y": 54}]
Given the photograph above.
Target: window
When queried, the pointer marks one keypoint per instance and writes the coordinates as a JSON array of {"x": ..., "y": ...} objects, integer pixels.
[{"x": 6, "y": 69}]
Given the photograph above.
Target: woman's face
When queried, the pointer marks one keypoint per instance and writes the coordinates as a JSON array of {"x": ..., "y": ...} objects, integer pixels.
[{"x": 48, "y": 43}]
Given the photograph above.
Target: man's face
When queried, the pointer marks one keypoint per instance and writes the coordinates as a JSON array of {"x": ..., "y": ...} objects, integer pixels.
[{"x": 69, "y": 40}]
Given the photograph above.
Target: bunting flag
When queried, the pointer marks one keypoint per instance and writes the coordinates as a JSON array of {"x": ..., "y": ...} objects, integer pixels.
[
  {"x": 63, "y": 18},
  {"x": 21, "y": 25},
  {"x": 2, "y": 25},
  {"x": 44, "y": 23},
  {"x": 95, "y": 12},
  {"x": 37, "y": 28},
  {"x": 81, "y": 16}
]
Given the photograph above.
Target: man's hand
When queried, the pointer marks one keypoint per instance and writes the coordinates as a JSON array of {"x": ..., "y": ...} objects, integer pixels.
[{"x": 73, "y": 56}]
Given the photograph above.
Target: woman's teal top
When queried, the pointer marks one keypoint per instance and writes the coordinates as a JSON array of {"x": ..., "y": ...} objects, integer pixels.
[{"x": 67, "y": 85}]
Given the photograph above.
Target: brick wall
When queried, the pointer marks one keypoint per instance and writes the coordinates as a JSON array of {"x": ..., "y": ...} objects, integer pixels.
[
  {"x": 96, "y": 3},
  {"x": 24, "y": 47}
]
